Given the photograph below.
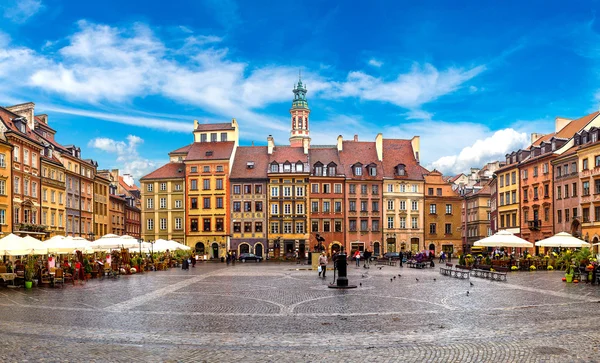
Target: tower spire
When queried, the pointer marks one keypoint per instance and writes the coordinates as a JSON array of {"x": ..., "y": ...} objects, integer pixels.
[{"x": 299, "y": 114}]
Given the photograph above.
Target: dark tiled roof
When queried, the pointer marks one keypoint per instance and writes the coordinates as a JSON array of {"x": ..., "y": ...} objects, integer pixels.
[
  {"x": 363, "y": 152},
  {"x": 281, "y": 154},
  {"x": 167, "y": 171},
  {"x": 245, "y": 154},
  {"x": 397, "y": 151},
  {"x": 326, "y": 156},
  {"x": 214, "y": 127},
  {"x": 7, "y": 116},
  {"x": 215, "y": 150}
]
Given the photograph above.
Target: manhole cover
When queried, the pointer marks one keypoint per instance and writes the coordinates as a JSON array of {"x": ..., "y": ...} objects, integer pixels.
[{"x": 551, "y": 350}]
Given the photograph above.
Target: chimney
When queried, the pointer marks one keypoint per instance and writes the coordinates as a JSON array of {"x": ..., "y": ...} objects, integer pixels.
[
  {"x": 306, "y": 145},
  {"x": 355, "y": 137},
  {"x": 43, "y": 118},
  {"x": 535, "y": 137},
  {"x": 270, "y": 145},
  {"x": 340, "y": 142},
  {"x": 560, "y": 123},
  {"x": 25, "y": 110},
  {"x": 379, "y": 146},
  {"x": 416, "y": 146},
  {"x": 195, "y": 124}
]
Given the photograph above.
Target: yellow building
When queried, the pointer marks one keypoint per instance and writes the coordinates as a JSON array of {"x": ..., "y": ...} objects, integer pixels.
[
  {"x": 53, "y": 190},
  {"x": 6, "y": 224},
  {"x": 166, "y": 182},
  {"x": 477, "y": 212},
  {"x": 101, "y": 200},
  {"x": 509, "y": 213}
]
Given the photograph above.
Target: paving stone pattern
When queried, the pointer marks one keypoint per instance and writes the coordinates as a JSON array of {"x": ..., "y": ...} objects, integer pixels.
[{"x": 273, "y": 312}]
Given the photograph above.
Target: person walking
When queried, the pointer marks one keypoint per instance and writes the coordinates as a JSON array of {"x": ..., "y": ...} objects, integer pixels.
[
  {"x": 357, "y": 257},
  {"x": 401, "y": 255},
  {"x": 323, "y": 264}
]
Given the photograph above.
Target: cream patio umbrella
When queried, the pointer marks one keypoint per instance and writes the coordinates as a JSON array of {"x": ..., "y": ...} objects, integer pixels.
[
  {"x": 503, "y": 239},
  {"x": 112, "y": 241},
  {"x": 179, "y": 246},
  {"x": 13, "y": 245},
  {"x": 562, "y": 239}
]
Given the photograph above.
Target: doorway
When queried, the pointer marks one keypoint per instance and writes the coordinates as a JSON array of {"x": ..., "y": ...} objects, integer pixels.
[
  {"x": 414, "y": 244},
  {"x": 376, "y": 249},
  {"x": 432, "y": 247},
  {"x": 244, "y": 248},
  {"x": 258, "y": 249},
  {"x": 200, "y": 248},
  {"x": 288, "y": 248},
  {"x": 302, "y": 250},
  {"x": 215, "y": 250}
]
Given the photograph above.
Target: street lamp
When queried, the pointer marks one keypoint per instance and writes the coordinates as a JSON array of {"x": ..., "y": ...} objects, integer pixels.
[{"x": 91, "y": 236}]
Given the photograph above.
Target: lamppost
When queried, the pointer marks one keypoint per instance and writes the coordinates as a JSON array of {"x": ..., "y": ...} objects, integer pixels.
[
  {"x": 91, "y": 236},
  {"x": 140, "y": 241}
]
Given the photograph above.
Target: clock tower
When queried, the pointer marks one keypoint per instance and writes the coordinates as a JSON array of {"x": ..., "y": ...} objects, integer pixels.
[{"x": 299, "y": 114}]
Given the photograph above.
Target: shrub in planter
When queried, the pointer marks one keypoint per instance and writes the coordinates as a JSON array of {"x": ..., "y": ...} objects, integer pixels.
[{"x": 532, "y": 268}]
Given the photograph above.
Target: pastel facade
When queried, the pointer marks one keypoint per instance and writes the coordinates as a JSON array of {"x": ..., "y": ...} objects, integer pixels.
[{"x": 442, "y": 215}]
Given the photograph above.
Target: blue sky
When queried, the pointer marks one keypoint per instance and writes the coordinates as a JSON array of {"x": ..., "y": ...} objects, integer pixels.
[{"x": 125, "y": 80}]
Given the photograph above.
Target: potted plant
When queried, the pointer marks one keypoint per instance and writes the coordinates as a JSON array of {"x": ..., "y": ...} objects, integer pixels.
[
  {"x": 569, "y": 273},
  {"x": 29, "y": 272}
]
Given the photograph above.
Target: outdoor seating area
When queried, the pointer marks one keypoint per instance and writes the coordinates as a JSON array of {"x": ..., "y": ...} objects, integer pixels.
[
  {"x": 460, "y": 272},
  {"x": 27, "y": 261}
]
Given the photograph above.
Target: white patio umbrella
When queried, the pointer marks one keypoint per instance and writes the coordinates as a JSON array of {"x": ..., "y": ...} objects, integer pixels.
[
  {"x": 562, "y": 239},
  {"x": 503, "y": 239},
  {"x": 111, "y": 241},
  {"x": 13, "y": 245},
  {"x": 179, "y": 246}
]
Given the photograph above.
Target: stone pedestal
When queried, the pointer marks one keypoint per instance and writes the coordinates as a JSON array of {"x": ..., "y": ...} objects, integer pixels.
[{"x": 314, "y": 260}]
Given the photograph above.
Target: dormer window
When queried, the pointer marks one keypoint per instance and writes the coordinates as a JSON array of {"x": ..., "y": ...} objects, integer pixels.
[
  {"x": 318, "y": 169},
  {"x": 209, "y": 153},
  {"x": 250, "y": 165},
  {"x": 299, "y": 167},
  {"x": 594, "y": 136},
  {"x": 331, "y": 169},
  {"x": 372, "y": 169},
  {"x": 584, "y": 139},
  {"x": 22, "y": 128},
  {"x": 401, "y": 170},
  {"x": 287, "y": 167},
  {"x": 274, "y": 168},
  {"x": 357, "y": 170}
]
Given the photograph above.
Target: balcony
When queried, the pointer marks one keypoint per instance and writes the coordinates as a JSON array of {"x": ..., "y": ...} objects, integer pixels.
[{"x": 535, "y": 225}]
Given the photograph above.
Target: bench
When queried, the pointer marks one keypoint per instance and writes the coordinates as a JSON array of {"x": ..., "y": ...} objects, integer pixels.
[
  {"x": 415, "y": 264},
  {"x": 457, "y": 273},
  {"x": 385, "y": 261},
  {"x": 498, "y": 275}
]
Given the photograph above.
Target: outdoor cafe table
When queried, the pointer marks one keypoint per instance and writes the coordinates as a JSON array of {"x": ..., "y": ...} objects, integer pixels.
[{"x": 7, "y": 276}]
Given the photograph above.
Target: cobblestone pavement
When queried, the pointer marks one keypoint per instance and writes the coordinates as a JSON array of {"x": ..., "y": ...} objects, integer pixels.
[{"x": 279, "y": 312}]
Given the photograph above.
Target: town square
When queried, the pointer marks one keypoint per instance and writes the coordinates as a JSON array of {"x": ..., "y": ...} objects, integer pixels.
[{"x": 284, "y": 181}]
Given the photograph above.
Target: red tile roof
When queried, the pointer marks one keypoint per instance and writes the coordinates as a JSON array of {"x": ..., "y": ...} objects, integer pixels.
[
  {"x": 215, "y": 127},
  {"x": 220, "y": 150},
  {"x": 281, "y": 154},
  {"x": 245, "y": 154},
  {"x": 326, "y": 156},
  {"x": 167, "y": 171},
  {"x": 182, "y": 150},
  {"x": 454, "y": 178},
  {"x": 363, "y": 152},
  {"x": 127, "y": 187},
  {"x": 575, "y": 126},
  {"x": 7, "y": 116},
  {"x": 398, "y": 151}
]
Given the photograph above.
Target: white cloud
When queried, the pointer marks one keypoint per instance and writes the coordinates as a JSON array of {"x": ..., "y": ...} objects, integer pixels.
[
  {"x": 128, "y": 158},
  {"x": 418, "y": 115},
  {"x": 20, "y": 11},
  {"x": 483, "y": 150},
  {"x": 375, "y": 63},
  {"x": 411, "y": 90}
]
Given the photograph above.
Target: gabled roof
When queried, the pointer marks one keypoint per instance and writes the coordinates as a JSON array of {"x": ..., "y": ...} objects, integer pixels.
[
  {"x": 325, "y": 156},
  {"x": 182, "y": 150},
  {"x": 399, "y": 151},
  {"x": 363, "y": 152},
  {"x": 167, "y": 171},
  {"x": 7, "y": 116},
  {"x": 210, "y": 151},
  {"x": 455, "y": 178},
  {"x": 215, "y": 127},
  {"x": 250, "y": 154},
  {"x": 127, "y": 187},
  {"x": 574, "y": 126},
  {"x": 281, "y": 154}
]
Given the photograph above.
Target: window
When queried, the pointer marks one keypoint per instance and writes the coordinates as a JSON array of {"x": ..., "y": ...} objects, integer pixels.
[
  {"x": 237, "y": 206},
  {"x": 194, "y": 169},
  {"x": 2, "y": 187},
  {"x": 287, "y": 191},
  {"x": 448, "y": 208},
  {"x": 524, "y": 174},
  {"x": 274, "y": 191},
  {"x": 314, "y": 188},
  {"x": 363, "y": 189},
  {"x": 432, "y": 209},
  {"x": 390, "y": 204},
  {"x": 559, "y": 216},
  {"x": 535, "y": 171},
  {"x": 352, "y": 225},
  {"x": 501, "y": 178},
  {"x": 535, "y": 193},
  {"x": 2, "y": 160},
  {"x": 206, "y": 169},
  {"x": 206, "y": 184},
  {"x": 338, "y": 225},
  {"x": 206, "y": 202},
  {"x": 326, "y": 188},
  {"x": 390, "y": 188},
  {"x": 247, "y": 227},
  {"x": 300, "y": 227},
  {"x": 163, "y": 203},
  {"x": 337, "y": 188},
  {"x": 300, "y": 208},
  {"x": 559, "y": 192},
  {"x": 25, "y": 156},
  {"x": 338, "y": 207},
  {"x": 566, "y": 191},
  {"x": 193, "y": 184},
  {"x": 287, "y": 227},
  {"x": 402, "y": 204},
  {"x": 17, "y": 154},
  {"x": 150, "y": 224},
  {"x": 219, "y": 202},
  {"x": 287, "y": 208},
  {"x": 327, "y": 207},
  {"x": 585, "y": 164},
  {"x": 219, "y": 184},
  {"x": 375, "y": 189},
  {"x": 163, "y": 223},
  {"x": 402, "y": 222},
  {"x": 177, "y": 186},
  {"x": 258, "y": 189},
  {"x": 274, "y": 208},
  {"x": 258, "y": 227},
  {"x": 299, "y": 191},
  {"x": 358, "y": 170},
  {"x": 432, "y": 228},
  {"x": 514, "y": 196},
  {"x": 574, "y": 167},
  {"x": 390, "y": 222},
  {"x": 597, "y": 161},
  {"x": 586, "y": 188},
  {"x": 567, "y": 218},
  {"x": 364, "y": 225},
  {"x": 149, "y": 203},
  {"x": 315, "y": 226},
  {"x": 274, "y": 168},
  {"x": 194, "y": 203},
  {"x": 448, "y": 228},
  {"x": 163, "y": 186},
  {"x": 375, "y": 206},
  {"x": 363, "y": 205},
  {"x": 574, "y": 189},
  {"x": 177, "y": 204},
  {"x": 213, "y": 137},
  {"x": 52, "y": 196},
  {"x": 352, "y": 189},
  {"x": 402, "y": 188},
  {"x": 149, "y": 187},
  {"x": 314, "y": 206},
  {"x": 178, "y": 223},
  {"x": 274, "y": 227},
  {"x": 429, "y": 191},
  {"x": 206, "y": 224},
  {"x": 25, "y": 186},
  {"x": 414, "y": 205},
  {"x": 247, "y": 206}
]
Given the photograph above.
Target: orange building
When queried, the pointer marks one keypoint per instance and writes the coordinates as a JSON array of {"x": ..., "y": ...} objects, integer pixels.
[{"x": 442, "y": 216}]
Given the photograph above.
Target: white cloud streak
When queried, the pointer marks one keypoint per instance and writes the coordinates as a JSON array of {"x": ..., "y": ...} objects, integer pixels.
[
  {"x": 375, "y": 63},
  {"x": 127, "y": 156},
  {"x": 20, "y": 11}
]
